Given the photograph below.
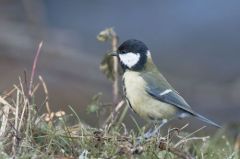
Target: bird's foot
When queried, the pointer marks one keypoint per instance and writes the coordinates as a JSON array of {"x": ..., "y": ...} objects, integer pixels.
[
  {"x": 148, "y": 134},
  {"x": 151, "y": 132}
]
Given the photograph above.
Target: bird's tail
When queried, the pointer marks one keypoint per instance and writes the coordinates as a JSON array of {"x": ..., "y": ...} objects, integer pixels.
[{"x": 202, "y": 118}]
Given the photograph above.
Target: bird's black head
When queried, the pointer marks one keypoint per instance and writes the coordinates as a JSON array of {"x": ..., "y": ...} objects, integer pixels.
[{"x": 132, "y": 54}]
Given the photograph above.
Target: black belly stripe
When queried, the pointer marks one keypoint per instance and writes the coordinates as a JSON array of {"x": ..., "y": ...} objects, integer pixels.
[
  {"x": 124, "y": 87},
  {"x": 130, "y": 105}
]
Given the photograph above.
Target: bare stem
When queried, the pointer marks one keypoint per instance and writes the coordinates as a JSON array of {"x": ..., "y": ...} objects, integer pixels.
[
  {"x": 106, "y": 35},
  {"x": 115, "y": 68},
  {"x": 46, "y": 94},
  {"x": 112, "y": 116},
  {"x": 34, "y": 68}
]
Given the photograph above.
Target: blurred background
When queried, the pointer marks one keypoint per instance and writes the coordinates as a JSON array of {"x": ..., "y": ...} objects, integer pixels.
[{"x": 196, "y": 45}]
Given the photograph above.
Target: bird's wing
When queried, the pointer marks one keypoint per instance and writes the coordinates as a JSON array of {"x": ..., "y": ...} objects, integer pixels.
[
  {"x": 158, "y": 87},
  {"x": 171, "y": 97}
]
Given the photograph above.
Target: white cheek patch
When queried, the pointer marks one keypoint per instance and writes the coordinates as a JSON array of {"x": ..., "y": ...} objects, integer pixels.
[{"x": 129, "y": 59}]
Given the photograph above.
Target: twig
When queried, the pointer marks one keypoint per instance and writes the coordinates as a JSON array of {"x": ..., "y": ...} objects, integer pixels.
[
  {"x": 35, "y": 88},
  {"x": 192, "y": 132},
  {"x": 185, "y": 138},
  {"x": 25, "y": 82},
  {"x": 112, "y": 116},
  {"x": 192, "y": 138},
  {"x": 46, "y": 93},
  {"x": 4, "y": 120},
  {"x": 115, "y": 66},
  {"x": 185, "y": 126},
  {"x": 9, "y": 93},
  {"x": 15, "y": 142},
  {"x": 175, "y": 151},
  {"x": 5, "y": 103},
  {"x": 34, "y": 68},
  {"x": 25, "y": 103},
  {"x": 22, "y": 114}
]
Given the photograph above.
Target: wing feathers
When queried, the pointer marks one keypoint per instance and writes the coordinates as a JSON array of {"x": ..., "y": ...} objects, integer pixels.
[{"x": 171, "y": 97}]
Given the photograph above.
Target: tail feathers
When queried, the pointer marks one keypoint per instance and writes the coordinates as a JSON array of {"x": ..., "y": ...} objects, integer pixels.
[{"x": 202, "y": 118}]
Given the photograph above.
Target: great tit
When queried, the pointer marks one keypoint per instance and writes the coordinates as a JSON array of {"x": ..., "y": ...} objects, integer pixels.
[{"x": 146, "y": 90}]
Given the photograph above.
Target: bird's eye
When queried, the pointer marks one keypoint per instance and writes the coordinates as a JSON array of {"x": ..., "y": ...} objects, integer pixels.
[{"x": 123, "y": 51}]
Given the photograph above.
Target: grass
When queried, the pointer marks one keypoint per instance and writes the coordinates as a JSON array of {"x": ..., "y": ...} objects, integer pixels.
[{"x": 25, "y": 132}]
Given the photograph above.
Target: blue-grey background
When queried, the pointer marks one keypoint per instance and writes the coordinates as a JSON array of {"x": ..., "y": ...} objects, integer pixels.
[{"x": 196, "y": 45}]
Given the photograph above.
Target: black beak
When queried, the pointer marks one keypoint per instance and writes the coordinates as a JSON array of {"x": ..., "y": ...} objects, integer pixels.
[{"x": 113, "y": 54}]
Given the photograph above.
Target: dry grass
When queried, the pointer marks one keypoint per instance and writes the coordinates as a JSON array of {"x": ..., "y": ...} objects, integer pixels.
[{"x": 25, "y": 133}]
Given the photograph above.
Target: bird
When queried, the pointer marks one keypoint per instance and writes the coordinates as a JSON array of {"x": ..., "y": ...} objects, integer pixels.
[{"x": 146, "y": 90}]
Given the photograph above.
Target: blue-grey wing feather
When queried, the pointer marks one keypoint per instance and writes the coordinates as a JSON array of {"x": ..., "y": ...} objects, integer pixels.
[
  {"x": 157, "y": 84},
  {"x": 172, "y": 97},
  {"x": 159, "y": 88}
]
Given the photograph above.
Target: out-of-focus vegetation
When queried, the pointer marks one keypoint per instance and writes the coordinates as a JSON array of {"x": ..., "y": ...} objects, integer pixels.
[{"x": 26, "y": 133}]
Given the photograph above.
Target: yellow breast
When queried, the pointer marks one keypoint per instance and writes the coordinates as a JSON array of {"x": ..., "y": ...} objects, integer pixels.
[{"x": 142, "y": 103}]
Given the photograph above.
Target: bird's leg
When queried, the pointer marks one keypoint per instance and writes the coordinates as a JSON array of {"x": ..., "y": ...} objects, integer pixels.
[
  {"x": 152, "y": 131},
  {"x": 156, "y": 129},
  {"x": 148, "y": 134},
  {"x": 144, "y": 136},
  {"x": 163, "y": 122}
]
